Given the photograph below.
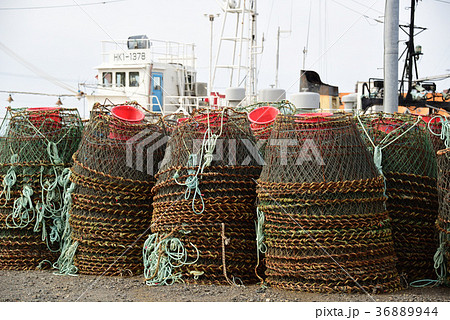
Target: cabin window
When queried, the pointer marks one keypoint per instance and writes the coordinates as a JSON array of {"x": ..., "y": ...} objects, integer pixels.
[
  {"x": 156, "y": 83},
  {"x": 120, "y": 79},
  {"x": 107, "y": 79},
  {"x": 134, "y": 79}
]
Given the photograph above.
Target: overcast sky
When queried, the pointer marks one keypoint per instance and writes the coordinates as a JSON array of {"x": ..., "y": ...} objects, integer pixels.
[{"x": 345, "y": 40}]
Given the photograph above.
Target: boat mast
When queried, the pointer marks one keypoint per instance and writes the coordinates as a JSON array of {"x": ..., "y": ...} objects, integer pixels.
[
  {"x": 253, "y": 79},
  {"x": 391, "y": 21},
  {"x": 243, "y": 66}
]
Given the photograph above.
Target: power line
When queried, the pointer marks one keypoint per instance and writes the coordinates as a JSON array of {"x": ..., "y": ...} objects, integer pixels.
[
  {"x": 36, "y": 70},
  {"x": 29, "y": 76},
  {"x": 447, "y": 2},
  {"x": 336, "y": 41},
  {"x": 62, "y": 6},
  {"x": 367, "y": 7},
  {"x": 357, "y": 12},
  {"x": 39, "y": 93}
]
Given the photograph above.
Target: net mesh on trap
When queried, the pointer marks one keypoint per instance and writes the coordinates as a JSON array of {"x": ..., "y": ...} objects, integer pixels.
[
  {"x": 204, "y": 203},
  {"x": 36, "y": 146},
  {"x": 113, "y": 174},
  {"x": 408, "y": 163},
  {"x": 442, "y": 257},
  {"x": 322, "y": 219}
]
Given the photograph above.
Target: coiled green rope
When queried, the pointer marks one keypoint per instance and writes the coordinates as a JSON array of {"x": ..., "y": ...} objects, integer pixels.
[
  {"x": 65, "y": 264},
  {"x": 10, "y": 179},
  {"x": 23, "y": 212},
  {"x": 445, "y": 130},
  {"x": 162, "y": 255},
  {"x": 439, "y": 266}
]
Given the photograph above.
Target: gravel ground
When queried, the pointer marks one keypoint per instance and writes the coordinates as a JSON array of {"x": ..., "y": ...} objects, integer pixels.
[{"x": 45, "y": 286}]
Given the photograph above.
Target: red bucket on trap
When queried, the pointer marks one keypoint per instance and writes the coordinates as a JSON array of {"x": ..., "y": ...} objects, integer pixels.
[
  {"x": 41, "y": 115},
  {"x": 261, "y": 119},
  {"x": 129, "y": 115}
]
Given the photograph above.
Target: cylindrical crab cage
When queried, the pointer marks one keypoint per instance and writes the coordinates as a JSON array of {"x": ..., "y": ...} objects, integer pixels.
[
  {"x": 113, "y": 174},
  {"x": 442, "y": 257},
  {"x": 408, "y": 163},
  {"x": 321, "y": 203},
  {"x": 204, "y": 206},
  {"x": 36, "y": 146}
]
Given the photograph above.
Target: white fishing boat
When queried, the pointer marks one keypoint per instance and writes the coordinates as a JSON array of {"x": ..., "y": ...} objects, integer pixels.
[{"x": 159, "y": 75}]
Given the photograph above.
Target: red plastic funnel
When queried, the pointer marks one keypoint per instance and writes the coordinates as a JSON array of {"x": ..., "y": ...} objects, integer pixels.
[
  {"x": 263, "y": 115},
  {"x": 128, "y": 113}
]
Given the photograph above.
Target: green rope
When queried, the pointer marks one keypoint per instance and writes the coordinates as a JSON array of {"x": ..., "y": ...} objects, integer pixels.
[
  {"x": 439, "y": 258},
  {"x": 23, "y": 211},
  {"x": 206, "y": 155},
  {"x": 10, "y": 179},
  {"x": 65, "y": 264},
  {"x": 260, "y": 245},
  {"x": 162, "y": 257},
  {"x": 377, "y": 152},
  {"x": 52, "y": 150},
  {"x": 445, "y": 129},
  {"x": 52, "y": 201},
  {"x": 191, "y": 183}
]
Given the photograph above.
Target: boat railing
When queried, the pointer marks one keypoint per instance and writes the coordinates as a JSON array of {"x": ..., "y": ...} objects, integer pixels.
[
  {"x": 187, "y": 104},
  {"x": 159, "y": 51}
]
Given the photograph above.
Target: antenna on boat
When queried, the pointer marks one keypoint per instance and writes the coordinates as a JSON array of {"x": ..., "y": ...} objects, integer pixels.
[
  {"x": 278, "y": 52},
  {"x": 305, "y": 48},
  {"x": 211, "y": 19}
]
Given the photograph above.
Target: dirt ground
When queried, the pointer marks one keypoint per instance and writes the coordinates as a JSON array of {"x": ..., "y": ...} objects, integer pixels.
[{"x": 45, "y": 286}]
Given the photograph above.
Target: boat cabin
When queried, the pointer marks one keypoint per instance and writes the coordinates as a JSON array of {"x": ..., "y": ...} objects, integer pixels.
[{"x": 159, "y": 75}]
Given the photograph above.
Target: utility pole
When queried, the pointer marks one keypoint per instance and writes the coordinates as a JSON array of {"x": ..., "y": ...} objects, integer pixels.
[{"x": 390, "y": 101}]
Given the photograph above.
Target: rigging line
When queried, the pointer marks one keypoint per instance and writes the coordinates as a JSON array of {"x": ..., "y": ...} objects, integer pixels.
[
  {"x": 118, "y": 45},
  {"x": 447, "y": 2},
  {"x": 357, "y": 12},
  {"x": 29, "y": 76},
  {"x": 333, "y": 44},
  {"x": 36, "y": 70},
  {"x": 325, "y": 41},
  {"x": 364, "y": 5},
  {"x": 267, "y": 33},
  {"x": 62, "y": 6},
  {"x": 39, "y": 93}
]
